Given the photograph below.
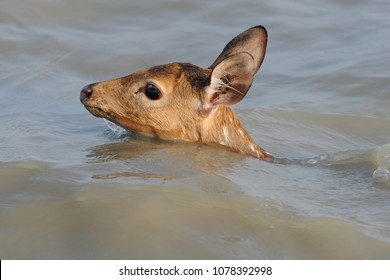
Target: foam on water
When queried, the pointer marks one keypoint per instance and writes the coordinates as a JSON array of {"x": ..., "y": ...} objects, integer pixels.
[{"x": 381, "y": 175}]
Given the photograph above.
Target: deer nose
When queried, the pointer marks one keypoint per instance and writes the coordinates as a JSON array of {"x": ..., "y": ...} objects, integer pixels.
[{"x": 86, "y": 93}]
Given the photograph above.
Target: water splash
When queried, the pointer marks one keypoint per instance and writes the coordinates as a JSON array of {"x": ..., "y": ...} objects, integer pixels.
[
  {"x": 345, "y": 158},
  {"x": 379, "y": 158},
  {"x": 117, "y": 130},
  {"x": 381, "y": 175}
]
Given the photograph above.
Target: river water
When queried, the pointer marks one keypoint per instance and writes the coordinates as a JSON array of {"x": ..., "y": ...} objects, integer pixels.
[{"x": 71, "y": 188}]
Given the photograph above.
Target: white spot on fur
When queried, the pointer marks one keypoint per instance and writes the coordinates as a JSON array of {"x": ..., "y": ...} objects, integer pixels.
[
  {"x": 226, "y": 136},
  {"x": 253, "y": 148}
]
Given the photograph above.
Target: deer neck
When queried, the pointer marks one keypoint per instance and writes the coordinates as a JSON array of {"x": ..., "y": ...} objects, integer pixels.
[{"x": 223, "y": 128}]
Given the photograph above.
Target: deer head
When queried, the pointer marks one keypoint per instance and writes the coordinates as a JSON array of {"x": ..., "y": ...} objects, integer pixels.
[{"x": 185, "y": 101}]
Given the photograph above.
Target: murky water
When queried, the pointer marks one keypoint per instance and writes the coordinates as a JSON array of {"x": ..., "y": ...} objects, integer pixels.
[{"x": 72, "y": 188}]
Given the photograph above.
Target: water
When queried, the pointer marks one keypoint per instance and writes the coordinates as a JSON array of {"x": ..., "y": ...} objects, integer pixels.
[{"x": 71, "y": 188}]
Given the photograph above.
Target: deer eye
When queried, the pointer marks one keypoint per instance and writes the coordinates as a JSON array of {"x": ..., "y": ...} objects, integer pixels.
[{"x": 152, "y": 92}]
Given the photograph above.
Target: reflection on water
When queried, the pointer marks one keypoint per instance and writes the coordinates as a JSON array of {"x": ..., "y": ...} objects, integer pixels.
[{"x": 71, "y": 188}]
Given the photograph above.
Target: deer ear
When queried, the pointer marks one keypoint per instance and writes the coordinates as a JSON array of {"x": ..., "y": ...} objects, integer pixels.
[{"x": 233, "y": 71}]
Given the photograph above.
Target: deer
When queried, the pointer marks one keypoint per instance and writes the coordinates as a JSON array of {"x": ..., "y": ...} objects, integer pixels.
[{"x": 184, "y": 101}]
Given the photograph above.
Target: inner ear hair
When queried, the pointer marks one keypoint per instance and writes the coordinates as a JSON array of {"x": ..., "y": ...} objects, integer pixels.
[
  {"x": 233, "y": 71},
  {"x": 231, "y": 79}
]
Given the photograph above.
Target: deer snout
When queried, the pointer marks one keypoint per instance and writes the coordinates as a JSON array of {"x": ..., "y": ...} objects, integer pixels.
[{"x": 86, "y": 93}]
